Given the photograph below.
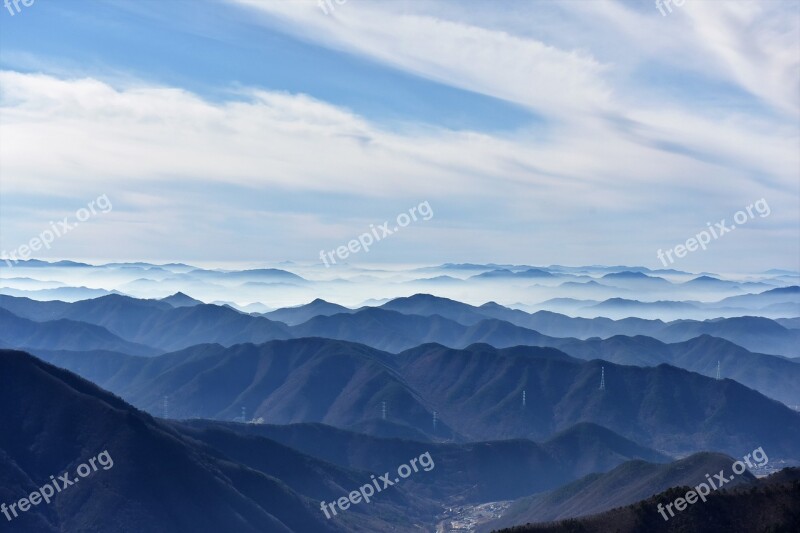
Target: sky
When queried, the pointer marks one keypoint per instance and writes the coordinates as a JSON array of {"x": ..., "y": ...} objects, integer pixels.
[{"x": 538, "y": 132}]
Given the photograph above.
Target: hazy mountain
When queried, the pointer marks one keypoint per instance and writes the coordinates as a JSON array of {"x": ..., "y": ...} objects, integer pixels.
[
  {"x": 477, "y": 392},
  {"x": 665, "y": 408},
  {"x": 157, "y": 323},
  {"x": 258, "y": 275},
  {"x": 399, "y": 324},
  {"x": 437, "y": 281},
  {"x": 429, "y": 305},
  {"x": 634, "y": 307},
  {"x": 37, "y": 263},
  {"x": 636, "y": 280},
  {"x": 315, "y": 478},
  {"x": 503, "y": 273},
  {"x": 297, "y": 315},
  {"x": 768, "y": 504},
  {"x": 181, "y": 300},
  {"x": 63, "y": 334},
  {"x": 789, "y": 323},
  {"x": 756, "y": 301},
  {"x": 754, "y": 333},
  {"x": 160, "y": 481},
  {"x": 773, "y": 376},
  {"x": 393, "y": 331},
  {"x": 304, "y": 380},
  {"x": 626, "y": 484},
  {"x": 477, "y": 472},
  {"x": 69, "y": 294}
]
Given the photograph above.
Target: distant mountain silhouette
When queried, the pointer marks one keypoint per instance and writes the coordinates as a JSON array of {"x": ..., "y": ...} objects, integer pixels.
[
  {"x": 757, "y": 334},
  {"x": 754, "y": 333},
  {"x": 69, "y": 294},
  {"x": 476, "y": 391},
  {"x": 633, "y": 306},
  {"x": 763, "y": 299},
  {"x": 181, "y": 300},
  {"x": 477, "y": 472},
  {"x": 297, "y": 315},
  {"x": 304, "y": 380},
  {"x": 503, "y": 273},
  {"x": 624, "y": 485},
  {"x": 260, "y": 274},
  {"x": 393, "y": 331},
  {"x": 18, "y": 332},
  {"x": 709, "y": 283},
  {"x": 665, "y": 408},
  {"x": 773, "y": 376},
  {"x": 157, "y": 323},
  {"x": 769, "y": 504},
  {"x": 161, "y": 481}
]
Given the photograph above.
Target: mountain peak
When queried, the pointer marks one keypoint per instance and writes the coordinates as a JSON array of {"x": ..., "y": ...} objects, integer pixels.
[{"x": 180, "y": 299}]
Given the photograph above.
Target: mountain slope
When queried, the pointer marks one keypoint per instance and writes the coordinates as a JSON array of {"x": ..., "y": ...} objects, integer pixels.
[
  {"x": 297, "y": 315},
  {"x": 768, "y": 505},
  {"x": 626, "y": 484},
  {"x": 771, "y": 375},
  {"x": 476, "y": 472},
  {"x": 63, "y": 334},
  {"x": 159, "y": 481}
]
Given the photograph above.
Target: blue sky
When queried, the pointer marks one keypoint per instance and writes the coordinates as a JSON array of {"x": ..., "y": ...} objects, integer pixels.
[{"x": 540, "y": 132}]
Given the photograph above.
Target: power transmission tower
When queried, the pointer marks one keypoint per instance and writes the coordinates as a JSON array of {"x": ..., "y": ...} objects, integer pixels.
[
  {"x": 524, "y": 402},
  {"x": 434, "y": 421},
  {"x": 717, "y": 369},
  {"x": 165, "y": 408},
  {"x": 602, "y": 378},
  {"x": 383, "y": 411},
  {"x": 244, "y": 418}
]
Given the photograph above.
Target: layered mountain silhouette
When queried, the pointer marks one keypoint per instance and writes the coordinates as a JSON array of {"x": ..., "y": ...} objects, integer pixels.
[
  {"x": 628, "y": 483},
  {"x": 475, "y": 472},
  {"x": 303, "y": 313},
  {"x": 161, "y": 480},
  {"x": 63, "y": 334},
  {"x": 147, "y": 327},
  {"x": 477, "y": 392},
  {"x": 395, "y": 326},
  {"x": 268, "y": 411},
  {"x": 768, "y": 504}
]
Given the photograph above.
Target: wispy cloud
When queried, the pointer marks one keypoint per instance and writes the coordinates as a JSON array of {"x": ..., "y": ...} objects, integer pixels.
[{"x": 612, "y": 157}]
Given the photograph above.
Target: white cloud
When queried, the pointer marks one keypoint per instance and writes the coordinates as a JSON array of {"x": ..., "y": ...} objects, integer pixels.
[{"x": 612, "y": 160}]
